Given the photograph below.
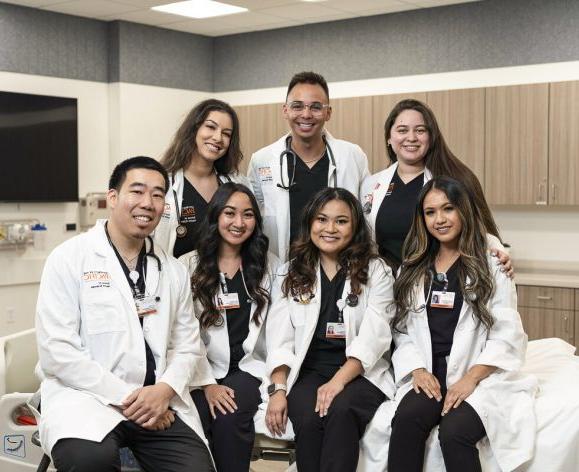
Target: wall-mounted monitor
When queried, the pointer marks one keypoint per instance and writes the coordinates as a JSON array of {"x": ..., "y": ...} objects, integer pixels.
[{"x": 38, "y": 148}]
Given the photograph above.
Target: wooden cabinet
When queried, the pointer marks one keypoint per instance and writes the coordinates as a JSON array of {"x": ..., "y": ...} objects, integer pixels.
[
  {"x": 381, "y": 107},
  {"x": 461, "y": 118},
  {"x": 549, "y": 312},
  {"x": 350, "y": 120},
  {"x": 540, "y": 323},
  {"x": 259, "y": 125},
  {"x": 516, "y": 144},
  {"x": 564, "y": 143}
]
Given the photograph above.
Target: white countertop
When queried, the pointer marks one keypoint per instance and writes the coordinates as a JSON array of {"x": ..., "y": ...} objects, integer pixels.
[{"x": 548, "y": 274}]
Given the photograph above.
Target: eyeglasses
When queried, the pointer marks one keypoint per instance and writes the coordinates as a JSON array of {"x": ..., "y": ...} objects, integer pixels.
[{"x": 316, "y": 108}]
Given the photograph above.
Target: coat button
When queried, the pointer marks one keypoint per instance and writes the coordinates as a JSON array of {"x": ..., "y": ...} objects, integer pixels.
[{"x": 146, "y": 329}]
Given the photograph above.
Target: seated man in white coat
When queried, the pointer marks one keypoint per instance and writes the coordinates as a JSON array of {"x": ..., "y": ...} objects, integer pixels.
[
  {"x": 286, "y": 174},
  {"x": 118, "y": 341}
]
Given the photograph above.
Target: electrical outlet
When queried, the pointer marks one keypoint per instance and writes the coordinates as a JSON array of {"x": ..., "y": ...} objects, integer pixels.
[{"x": 10, "y": 315}]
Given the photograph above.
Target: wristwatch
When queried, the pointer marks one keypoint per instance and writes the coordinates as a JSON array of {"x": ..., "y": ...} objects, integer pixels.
[{"x": 272, "y": 388}]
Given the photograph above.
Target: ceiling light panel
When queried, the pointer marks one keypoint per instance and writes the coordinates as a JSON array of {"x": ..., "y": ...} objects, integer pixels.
[{"x": 199, "y": 9}]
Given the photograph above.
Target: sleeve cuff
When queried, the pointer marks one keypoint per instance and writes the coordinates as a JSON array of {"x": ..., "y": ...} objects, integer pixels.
[{"x": 278, "y": 358}]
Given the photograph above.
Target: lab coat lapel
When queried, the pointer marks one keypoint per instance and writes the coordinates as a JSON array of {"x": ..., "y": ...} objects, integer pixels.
[
  {"x": 153, "y": 273},
  {"x": 380, "y": 192},
  {"x": 118, "y": 279},
  {"x": 313, "y": 310},
  {"x": 349, "y": 320}
]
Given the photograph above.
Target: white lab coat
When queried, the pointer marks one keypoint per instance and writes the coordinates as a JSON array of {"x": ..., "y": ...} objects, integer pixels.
[
  {"x": 504, "y": 400},
  {"x": 291, "y": 327},
  {"x": 216, "y": 338},
  {"x": 165, "y": 233},
  {"x": 265, "y": 174},
  {"x": 91, "y": 344}
]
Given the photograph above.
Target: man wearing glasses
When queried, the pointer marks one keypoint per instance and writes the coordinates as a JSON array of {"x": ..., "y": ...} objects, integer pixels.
[{"x": 286, "y": 174}]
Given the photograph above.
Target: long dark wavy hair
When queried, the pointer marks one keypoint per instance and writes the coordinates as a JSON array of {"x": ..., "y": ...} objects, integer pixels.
[
  {"x": 421, "y": 248},
  {"x": 440, "y": 160},
  {"x": 304, "y": 255},
  {"x": 205, "y": 278},
  {"x": 179, "y": 153}
]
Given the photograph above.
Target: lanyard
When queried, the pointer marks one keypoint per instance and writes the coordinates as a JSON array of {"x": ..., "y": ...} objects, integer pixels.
[{"x": 133, "y": 276}]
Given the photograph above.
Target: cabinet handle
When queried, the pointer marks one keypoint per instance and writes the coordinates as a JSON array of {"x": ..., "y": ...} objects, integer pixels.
[
  {"x": 542, "y": 200},
  {"x": 565, "y": 323},
  {"x": 554, "y": 192},
  {"x": 544, "y": 297}
]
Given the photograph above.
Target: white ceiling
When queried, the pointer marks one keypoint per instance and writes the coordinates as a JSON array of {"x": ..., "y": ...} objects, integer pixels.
[{"x": 262, "y": 14}]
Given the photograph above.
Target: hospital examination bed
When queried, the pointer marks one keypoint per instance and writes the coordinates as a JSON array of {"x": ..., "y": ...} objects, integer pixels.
[{"x": 556, "y": 408}]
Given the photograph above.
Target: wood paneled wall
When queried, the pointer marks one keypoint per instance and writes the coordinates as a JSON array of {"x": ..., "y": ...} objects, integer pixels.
[{"x": 521, "y": 141}]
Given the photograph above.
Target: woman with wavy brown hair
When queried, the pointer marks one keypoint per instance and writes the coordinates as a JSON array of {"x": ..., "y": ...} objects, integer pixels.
[
  {"x": 231, "y": 278},
  {"x": 327, "y": 334},
  {"x": 205, "y": 153},
  {"x": 418, "y": 152},
  {"x": 459, "y": 341}
]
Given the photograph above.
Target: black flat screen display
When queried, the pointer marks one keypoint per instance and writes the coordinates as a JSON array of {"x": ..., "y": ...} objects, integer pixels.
[{"x": 38, "y": 148}]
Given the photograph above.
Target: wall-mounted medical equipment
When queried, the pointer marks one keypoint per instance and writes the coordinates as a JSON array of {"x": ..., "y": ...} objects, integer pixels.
[
  {"x": 18, "y": 234},
  {"x": 92, "y": 208}
]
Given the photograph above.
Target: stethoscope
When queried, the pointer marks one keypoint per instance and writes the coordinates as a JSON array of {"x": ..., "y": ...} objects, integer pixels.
[
  {"x": 133, "y": 274},
  {"x": 288, "y": 153},
  {"x": 351, "y": 301},
  {"x": 440, "y": 278},
  {"x": 181, "y": 229},
  {"x": 223, "y": 284}
]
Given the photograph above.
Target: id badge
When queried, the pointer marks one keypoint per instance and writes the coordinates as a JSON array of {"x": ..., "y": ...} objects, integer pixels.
[
  {"x": 442, "y": 299},
  {"x": 228, "y": 302},
  {"x": 146, "y": 305},
  {"x": 336, "y": 330}
]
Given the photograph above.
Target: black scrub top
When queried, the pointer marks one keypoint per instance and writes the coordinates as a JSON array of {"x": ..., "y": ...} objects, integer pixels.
[
  {"x": 237, "y": 321},
  {"x": 326, "y": 355},
  {"x": 141, "y": 268},
  {"x": 395, "y": 215},
  {"x": 442, "y": 321},
  {"x": 308, "y": 182},
  {"x": 193, "y": 210}
]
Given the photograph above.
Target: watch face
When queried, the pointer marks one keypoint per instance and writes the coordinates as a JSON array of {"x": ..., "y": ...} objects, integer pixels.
[{"x": 271, "y": 389}]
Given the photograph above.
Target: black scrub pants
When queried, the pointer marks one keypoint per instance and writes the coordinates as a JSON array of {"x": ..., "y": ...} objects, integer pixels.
[
  {"x": 458, "y": 431},
  {"x": 231, "y": 436},
  {"x": 177, "y": 449},
  {"x": 331, "y": 443}
]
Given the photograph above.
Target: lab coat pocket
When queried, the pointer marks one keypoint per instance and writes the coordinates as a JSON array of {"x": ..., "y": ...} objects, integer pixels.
[{"x": 103, "y": 314}]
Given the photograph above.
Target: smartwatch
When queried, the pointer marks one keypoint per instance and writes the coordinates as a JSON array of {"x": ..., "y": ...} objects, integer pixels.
[{"x": 272, "y": 388}]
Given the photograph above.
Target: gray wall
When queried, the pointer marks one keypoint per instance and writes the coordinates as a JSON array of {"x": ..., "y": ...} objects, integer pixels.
[
  {"x": 45, "y": 43},
  {"x": 491, "y": 33},
  {"x": 156, "y": 56}
]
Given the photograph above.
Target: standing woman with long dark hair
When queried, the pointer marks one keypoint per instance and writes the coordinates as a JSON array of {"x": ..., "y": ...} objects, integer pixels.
[
  {"x": 459, "y": 342},
  {"x": 231, "y": 278},
  {"x": 327, "y": 335},
  {"x": 418, "y": 152},
  {"x": 205, "y": 153}
]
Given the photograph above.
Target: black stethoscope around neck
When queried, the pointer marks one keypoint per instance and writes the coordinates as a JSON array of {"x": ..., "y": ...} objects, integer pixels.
[{"x": 288, "y": 153}]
